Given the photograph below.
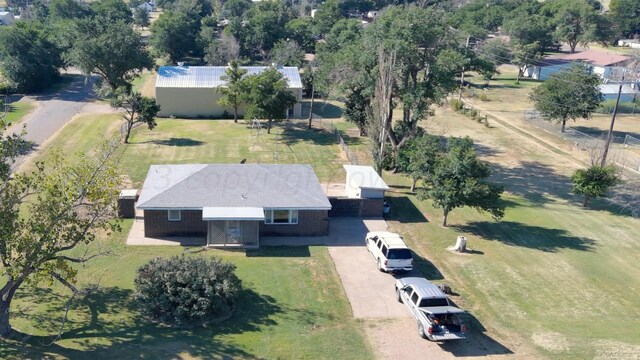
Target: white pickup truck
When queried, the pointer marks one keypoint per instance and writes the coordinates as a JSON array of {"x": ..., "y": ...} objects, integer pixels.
[{"x": 437, "y": 319}]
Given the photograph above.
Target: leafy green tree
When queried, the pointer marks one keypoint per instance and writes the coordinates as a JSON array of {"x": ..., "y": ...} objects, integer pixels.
[
  {"x": 174, "y": 34},
  {"x": 141, "y": 17},
  {"x": 300, "y": 30},
  {"x": 235, "y": 91},
  {"x": 44, "y": 214},
  {"x": 328, "y": 13},
  {"x": 112, "y": 50},
  {"x": 235, "y": 8},
  {"x": 528, "y": 25},
  {"x": 137, "y": 109},
  {"x": 265, "y": 26},
  {"x": 287, "y": 53},
  {"x": 496, "y": 50},
  {"x": 357, "y": 107},
  {"x": 457, "y": 179},
  {"x": 28, "y": 59},
  {"x": 419, "y": 157},
  {"x": 269, "y": 95},
  {"x": 594, "y": 181},
  {"x": 625, "y": 17},
  {"x": 524, "y": 55},
  {"x": 575, "y": 21},
  {"x": 67, "y": 9},
  {"x": 569, "y": 94},
  {"x": 343, "y": 33},
  {"x": 187, "y": 290},
  {"x": 112, "y": 10}
]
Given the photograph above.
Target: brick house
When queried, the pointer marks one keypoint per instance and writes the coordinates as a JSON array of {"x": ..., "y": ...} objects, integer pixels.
[{"x": 233, "y": 204}]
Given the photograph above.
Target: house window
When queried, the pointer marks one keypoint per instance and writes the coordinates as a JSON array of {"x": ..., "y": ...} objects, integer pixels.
[
  {"x": 174, "y": 215},
  {"x": 280, "y": 216}
]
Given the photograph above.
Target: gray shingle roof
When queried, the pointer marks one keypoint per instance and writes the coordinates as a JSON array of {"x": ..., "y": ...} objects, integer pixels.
[
  {"x": 209, "y": 76},
  {"x": 196, "y": 186}
]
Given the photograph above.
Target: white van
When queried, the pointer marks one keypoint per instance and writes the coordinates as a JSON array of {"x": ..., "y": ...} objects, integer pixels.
[{"x": 389, "y": 251}]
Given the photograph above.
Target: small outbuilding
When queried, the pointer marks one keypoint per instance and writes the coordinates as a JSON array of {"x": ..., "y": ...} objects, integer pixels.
[
  {"x": 191, "y": 91},
  {"x": 363, "y": 182},
  {"x": 629, "y": 91},
  {"x": 604, "y": 64}
]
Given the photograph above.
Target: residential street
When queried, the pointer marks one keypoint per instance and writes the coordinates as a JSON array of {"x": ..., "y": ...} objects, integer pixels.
[{"x": 54, "y": 110}]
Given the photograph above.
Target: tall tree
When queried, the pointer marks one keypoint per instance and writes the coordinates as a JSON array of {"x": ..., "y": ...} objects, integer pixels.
[
  {"x": 112, "y": 10},
  {"x": 222, "y": 51},
  {"x": 112, "y": 50},
  {"x": 328, "y": 13},
  {"x": 419, "y": 157},
  {"x": 457, "y": 179},
  {"x": 235, "y": 91},
  {"x": 265, "y": 26},
  {"x": 137, "y": 109},
  {"x": 28, "y": 59},
  {"x": 594, "y": 181},
  {"x": 46, "y": 213},
  {"x": 67, "y": 9},
  {"x": 575, "y": 21},
  {"x": 174, "y": 34},
  {"x": 269, "y": 96},
  {"x": 141, "y": 17},
  {"x": 569, "y": 94},
  {"x": 625, "y": 17},
  {"x": 300, "y": 30},
  {"x": 524, "y": 55}
]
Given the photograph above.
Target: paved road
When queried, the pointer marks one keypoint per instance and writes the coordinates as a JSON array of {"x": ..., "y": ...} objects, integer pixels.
[{"x": 54, "y": 111}]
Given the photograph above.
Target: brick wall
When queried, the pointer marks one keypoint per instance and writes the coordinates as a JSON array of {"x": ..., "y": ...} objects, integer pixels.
[
  {"x": 366, "y": 208},
  {"x": 157, "y": 225},
  {"x": 310, "y": 223}
]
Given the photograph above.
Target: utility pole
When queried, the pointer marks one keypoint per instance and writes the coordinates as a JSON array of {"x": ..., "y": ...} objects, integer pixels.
[
  {"x": 462, "y": 75},
  {"x": 610, "y": 134}
]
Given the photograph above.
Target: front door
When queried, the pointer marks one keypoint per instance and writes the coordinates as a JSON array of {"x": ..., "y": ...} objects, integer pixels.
[{"x": 233, "y": 232}]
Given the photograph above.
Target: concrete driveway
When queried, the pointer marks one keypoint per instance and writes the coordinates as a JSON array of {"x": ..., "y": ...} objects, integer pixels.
[{"x": 370, "y": 292}]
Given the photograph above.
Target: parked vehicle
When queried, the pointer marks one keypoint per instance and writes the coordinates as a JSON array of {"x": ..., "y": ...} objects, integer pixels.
[
  {"x": 437, "y": 318},
  {"x": 389, "y": 251}
]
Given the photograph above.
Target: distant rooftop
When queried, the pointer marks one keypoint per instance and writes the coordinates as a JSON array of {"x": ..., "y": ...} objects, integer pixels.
[
  {"x": 209, "y": 76},
  {"x": 598, "y": 58}
]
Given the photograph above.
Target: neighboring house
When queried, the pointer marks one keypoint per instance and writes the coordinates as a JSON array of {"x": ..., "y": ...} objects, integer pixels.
[
  {"x": 6, "y": 18},
  {"x": 147, "y": 6},
  {"x": 602, "y": 63},
  {"x": 632, "y": 43},
  {"x": 233, "y": 204},
  {"x": 190, "y": 91},
  {"x": 610, "y": 91}
]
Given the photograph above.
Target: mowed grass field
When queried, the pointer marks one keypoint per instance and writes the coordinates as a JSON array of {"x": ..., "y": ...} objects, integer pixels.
[
  {"x": 204, "y": 141},
  {"x": 293, "y": 307},
  {"x": 17, "y": 111}
]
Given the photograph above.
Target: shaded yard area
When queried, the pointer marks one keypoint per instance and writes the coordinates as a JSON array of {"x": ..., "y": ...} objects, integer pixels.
[{"x": 292, "y": 306}]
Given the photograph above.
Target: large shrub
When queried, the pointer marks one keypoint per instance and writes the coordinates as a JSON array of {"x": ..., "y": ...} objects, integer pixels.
[{"x": 187, "y": 291}]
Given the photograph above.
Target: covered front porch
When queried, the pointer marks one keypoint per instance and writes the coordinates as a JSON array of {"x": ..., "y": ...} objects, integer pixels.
[{"x": 233, "y": 226}]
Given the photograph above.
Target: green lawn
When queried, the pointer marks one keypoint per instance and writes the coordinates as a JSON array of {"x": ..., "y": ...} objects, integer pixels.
[
  {"x": 206, "y": 141},
  {"x": 293, "y": 307},
  {"x": 18, "y": 110}
]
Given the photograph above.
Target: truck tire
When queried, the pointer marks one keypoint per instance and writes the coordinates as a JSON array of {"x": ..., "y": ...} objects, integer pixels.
[
  {"x": 398, "y": 296},
  {"x": 380, "y": 266},
  {"x": 421, "y": 332}
]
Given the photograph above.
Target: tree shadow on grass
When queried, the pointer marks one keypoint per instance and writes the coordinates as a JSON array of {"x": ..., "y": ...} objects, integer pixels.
[
  {"x": 404, "y": 211},
  {"x": 179, "y": 142},
  {"x": 110, "y": 327},
  {"x": 326, "y": 110},
  {"x": 618, "y": 136},
  {"x": 534, "y": 237},
  {"x": 534, "y": 181},
  {"x": 296, "y": 132},
  {"x": 279, "y": 251}
]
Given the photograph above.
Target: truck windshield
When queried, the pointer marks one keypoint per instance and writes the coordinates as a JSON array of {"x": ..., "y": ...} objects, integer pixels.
[
  {"x": 399, "y": 254},
  {"x": 433, "y": 302}
]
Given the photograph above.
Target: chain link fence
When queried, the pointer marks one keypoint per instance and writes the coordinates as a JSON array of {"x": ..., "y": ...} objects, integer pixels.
[{"x": 619, "y": 153}]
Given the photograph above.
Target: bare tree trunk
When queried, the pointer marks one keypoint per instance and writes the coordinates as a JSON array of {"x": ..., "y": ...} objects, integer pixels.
[
  {"x": 519, "y": 74},
  {"x": 313, "y": 93},
  {"x": 128, "y": 133},
  {"x": 585, "y": 201},
  {"x": 445, "y": 214},
  {"x": 383, "y": 98},
  {"x": 269, "y": 126},
  {"x": 6, "y": 296},
  {"x": 413, "y": 184},
  {"x": 564, "y": 125},
  {"x": 235, "y": 114}
]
